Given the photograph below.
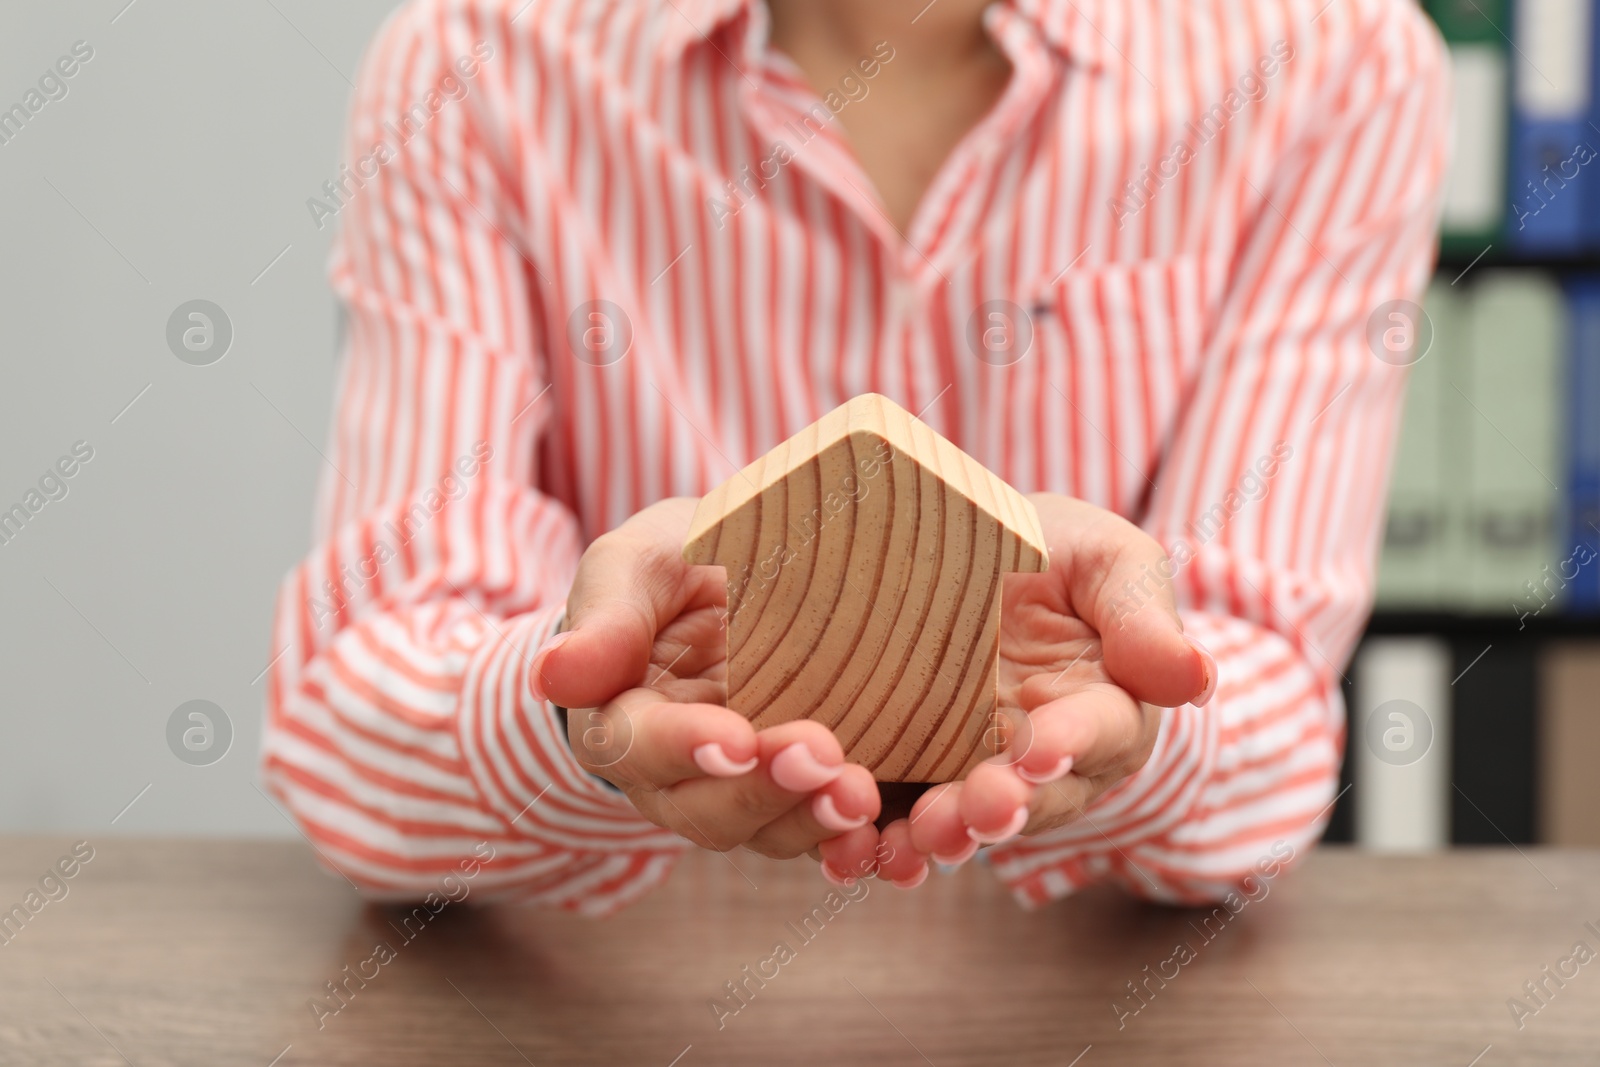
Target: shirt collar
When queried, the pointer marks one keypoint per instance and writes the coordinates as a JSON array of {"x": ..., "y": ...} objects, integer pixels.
[
  {"x": 688, "y": 22},
  {"x": 1075, "y": 28}
]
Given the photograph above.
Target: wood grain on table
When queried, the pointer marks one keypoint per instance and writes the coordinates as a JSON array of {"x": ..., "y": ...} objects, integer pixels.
[{"x": 212, "y": 952}]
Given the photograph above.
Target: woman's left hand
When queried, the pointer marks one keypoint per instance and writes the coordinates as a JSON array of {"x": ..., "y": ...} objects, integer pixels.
[{"x": 1090, "y": 652}]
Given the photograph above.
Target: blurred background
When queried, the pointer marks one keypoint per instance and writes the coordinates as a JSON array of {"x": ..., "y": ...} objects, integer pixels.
[
  {"x": 1475, "y": 698},
  {"x": 172, "y": 166},
  {"x": 170, "y": 347}
]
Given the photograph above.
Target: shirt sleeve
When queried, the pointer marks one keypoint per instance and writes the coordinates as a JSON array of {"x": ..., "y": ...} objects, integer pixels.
[
  {"x": 401, "y": 733},
  {"x": 1271, "y": 497}
]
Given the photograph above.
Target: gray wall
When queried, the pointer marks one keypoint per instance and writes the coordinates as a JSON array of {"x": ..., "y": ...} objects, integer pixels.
[{"x": 176, "y": 167}]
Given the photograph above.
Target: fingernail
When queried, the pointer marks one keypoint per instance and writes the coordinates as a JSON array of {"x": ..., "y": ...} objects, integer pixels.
[
  {"x": 1211, "y": 674},
  {"x": 826, "y": 812},
  {"x": 837, "y": 879},
  {"x": 912, "y": 882},
  {"x": 536, "y": 672},
  {"x": 798, "y": 771},
  {"x": 1011, "y": 829},
  {"x": 956, "y": 859},
  {"x": 713, "y": 759},
  {"x": 1058, "y": 772}
]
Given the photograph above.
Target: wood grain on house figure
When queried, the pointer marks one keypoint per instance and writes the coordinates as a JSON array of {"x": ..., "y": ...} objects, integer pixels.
[{"x": 864, "y": 560}]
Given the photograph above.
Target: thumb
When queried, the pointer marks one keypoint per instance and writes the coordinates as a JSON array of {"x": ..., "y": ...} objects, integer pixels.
[
  {"x": 1119, "y": 581},
  {"x": 630, "y": 583},
  {"x": 1148, "y": 654}
]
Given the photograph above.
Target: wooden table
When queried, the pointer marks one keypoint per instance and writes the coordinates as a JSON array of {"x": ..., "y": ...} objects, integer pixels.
[{"x": 210, "y": 952}]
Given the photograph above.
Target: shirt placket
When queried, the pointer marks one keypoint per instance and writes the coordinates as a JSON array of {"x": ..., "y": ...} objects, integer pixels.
[{"x": 827, "y": 160}]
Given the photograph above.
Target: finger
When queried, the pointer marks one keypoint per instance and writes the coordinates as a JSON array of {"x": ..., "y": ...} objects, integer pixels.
[
  {"x": 1010, "y": 734},
  {"x": 1053, "y": 740},
  {"x": 994, "y": 803},
  {"x": 630, "y": 583},
  {"x": 1096, "y": 731},
  {"x": 1101, "y": 736},
  {"x": 1119, "y": 581},
  {"x": 1058, "y": 803},
  {"x": 639, "y": 740},
  {"x": 842, "y": 806},
  {"x": 851, "y": 855},
  {"x": 901, "y": 864},
  {"x": 796, "y": 759},
  {"x": 936, "y": 828}
]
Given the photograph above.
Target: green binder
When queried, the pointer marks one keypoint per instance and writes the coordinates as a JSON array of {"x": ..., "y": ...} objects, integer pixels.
[
  {"x": 1475, "y": 192},
  {"x": 1517, "y": 341},
  {"x": 1411, "y": 569}
]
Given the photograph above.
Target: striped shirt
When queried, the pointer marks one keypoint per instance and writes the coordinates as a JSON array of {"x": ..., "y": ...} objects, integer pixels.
[{"x": 599, "y": 252}]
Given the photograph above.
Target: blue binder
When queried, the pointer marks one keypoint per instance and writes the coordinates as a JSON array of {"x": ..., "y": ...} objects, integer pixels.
[
  {"x": 1555, "y": 153},
  {"x": 1583, "y": 446},
  {"x": 1591, "y": 189}
]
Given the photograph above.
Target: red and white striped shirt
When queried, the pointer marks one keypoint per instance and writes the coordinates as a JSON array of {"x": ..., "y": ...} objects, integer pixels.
[{"x": 1196, "y": 204}]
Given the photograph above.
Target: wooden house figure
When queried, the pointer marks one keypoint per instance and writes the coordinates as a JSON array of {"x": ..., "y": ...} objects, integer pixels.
[{"x": 864, "y": 559}]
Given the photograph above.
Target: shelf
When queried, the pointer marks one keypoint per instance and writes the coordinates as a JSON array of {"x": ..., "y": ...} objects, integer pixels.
[
  {"x": 1502, "y": 625},
  {"x": 1452, "y": 264}
]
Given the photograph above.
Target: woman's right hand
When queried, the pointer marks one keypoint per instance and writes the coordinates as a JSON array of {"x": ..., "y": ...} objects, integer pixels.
[{"x": 642, "y": 668}]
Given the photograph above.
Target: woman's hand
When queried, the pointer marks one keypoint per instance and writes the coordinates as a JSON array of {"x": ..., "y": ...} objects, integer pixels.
[
  {"x": 1090, "y": 651},
  {"x": 642, "y": 669}
]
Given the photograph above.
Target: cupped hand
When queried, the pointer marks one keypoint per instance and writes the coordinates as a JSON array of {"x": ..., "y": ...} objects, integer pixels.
[
  {"x": 642, "y": 669},
  {"x": 1090, "y": 652}
]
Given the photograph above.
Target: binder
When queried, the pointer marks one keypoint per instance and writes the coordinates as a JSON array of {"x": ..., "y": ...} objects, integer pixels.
[
  {"x": 1581, "y": 557},
  {"x": 1554, "y": 162},
  {"x": 1569, "y": 737},
  {"x": 1400, "y": 739},
  {"x": 1475, "y": 189},
  {"x": 1422, "y": 494},
  {"x": 1591, "y": 133},
  {"x": 1518, "y": 332},
  {"x": 1494, "y": 751},
  {"x": 1457, "y": 421}
]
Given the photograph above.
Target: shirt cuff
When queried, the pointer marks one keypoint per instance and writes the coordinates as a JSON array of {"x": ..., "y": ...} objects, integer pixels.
[{"x": 516, "y": 752}]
